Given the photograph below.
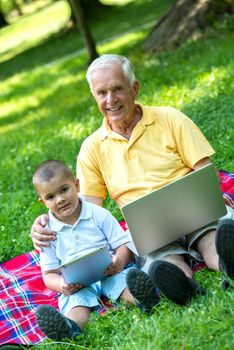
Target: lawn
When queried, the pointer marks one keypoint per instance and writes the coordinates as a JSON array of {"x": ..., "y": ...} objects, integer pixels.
[{"x": 46, "y": 111}]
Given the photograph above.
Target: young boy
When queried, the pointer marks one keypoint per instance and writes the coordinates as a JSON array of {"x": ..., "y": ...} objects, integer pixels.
[{"x": 81, "y": 227}]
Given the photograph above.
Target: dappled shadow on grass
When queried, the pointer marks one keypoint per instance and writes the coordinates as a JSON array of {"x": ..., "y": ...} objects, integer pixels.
[
  {"x": 56, "y": 103},
  {"x": 126, "y": 17},
  {"x": 42, "y": 84},
  {"x": 184, "y": 66},
  {"x": 51, "y": 49},
  {"x": 214, "y": 116},
  {"x": 192, "y": 60},
  {"x": 69, "y": 42}
]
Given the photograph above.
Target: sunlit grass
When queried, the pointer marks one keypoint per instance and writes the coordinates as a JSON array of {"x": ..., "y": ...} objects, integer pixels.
[
  {"x": 33, "y": 29},
  {"x": 68, "y": 43},
  {"x": 116, "y": 2},
  {"x": 33, "y": 93},
  {"x": 27, "y": 8},
  {"x": 116, "y": 43}
]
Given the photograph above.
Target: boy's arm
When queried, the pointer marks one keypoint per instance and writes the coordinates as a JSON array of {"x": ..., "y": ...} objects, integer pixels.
[
  {"x": 55, "y": 282},
  {"x": 120, "y": 259}
]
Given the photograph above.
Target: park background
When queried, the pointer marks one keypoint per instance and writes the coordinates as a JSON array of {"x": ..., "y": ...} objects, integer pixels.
[{"x": 46, "y": 111}]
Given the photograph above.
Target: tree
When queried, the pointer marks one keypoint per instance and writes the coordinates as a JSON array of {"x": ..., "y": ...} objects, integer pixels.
[
  {"x": 78, "y": 14},
  {"x": 3, "y": 21},
  {"x": 187, "y": 18},
  {"x": 81, "y": 10},
  {"x": 6, "y": 6},
  {"x": 92, "y": 7}
]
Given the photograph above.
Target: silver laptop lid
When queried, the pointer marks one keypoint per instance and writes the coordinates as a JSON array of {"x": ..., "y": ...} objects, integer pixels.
[{"x": 174, "y": 210}]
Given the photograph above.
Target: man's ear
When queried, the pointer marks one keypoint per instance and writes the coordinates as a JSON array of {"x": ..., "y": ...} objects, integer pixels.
[
  {"x": 136, "y": 86},
  {"x": 77, "y": 183}
]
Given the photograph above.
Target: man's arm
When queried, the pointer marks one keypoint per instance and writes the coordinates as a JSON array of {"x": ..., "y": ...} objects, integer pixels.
[
  {"x": 203, "y": 162},
  {"x": 42, "y": 237},
  {"x": 94, "y": 200}
]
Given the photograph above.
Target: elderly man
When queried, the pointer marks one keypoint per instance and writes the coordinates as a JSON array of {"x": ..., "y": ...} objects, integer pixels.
[{"x": 138, "y": 149}]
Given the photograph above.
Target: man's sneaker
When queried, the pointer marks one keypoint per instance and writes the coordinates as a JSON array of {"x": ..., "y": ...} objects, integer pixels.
[
  {"x": 55, "y": 325},
  {"x": 173, "y": 282},
  {"x": 143, "y": 289},
  {"x": 224, "y": 241}
]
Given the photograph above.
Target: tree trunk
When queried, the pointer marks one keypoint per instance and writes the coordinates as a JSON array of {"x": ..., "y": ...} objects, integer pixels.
[
  {"x": 78, "y": 14},
  {"x": 187, "y": 18},
  {"x": 17, "y": 7},
  {"x": 3, "y": 21},
  {"x": 92, "y": 8}
]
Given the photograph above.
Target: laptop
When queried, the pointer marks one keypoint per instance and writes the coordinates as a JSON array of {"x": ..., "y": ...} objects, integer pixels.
[
  {"x": 174, "y": 210},
  {"x": 87, "y": 269}
]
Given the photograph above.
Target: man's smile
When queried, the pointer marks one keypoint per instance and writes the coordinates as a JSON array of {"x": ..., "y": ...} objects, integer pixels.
[{"x": 114, "y": 109}]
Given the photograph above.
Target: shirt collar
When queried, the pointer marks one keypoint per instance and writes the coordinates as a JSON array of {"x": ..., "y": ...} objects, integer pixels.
[
  {"x": 57, "y": 225},
  {"x": 105, "y": 130}
]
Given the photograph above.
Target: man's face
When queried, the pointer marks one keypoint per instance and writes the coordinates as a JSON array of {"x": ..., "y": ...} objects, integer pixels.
[
  {"x": 59, "y": 194},
  {"x": 114, "y": 94}
]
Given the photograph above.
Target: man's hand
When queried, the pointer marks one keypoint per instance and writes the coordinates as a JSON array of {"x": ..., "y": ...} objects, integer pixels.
[{"x": 40, "y": 236}]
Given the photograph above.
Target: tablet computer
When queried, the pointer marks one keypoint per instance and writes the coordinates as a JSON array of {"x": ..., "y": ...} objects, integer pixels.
[{"x": 87, "y": 269}]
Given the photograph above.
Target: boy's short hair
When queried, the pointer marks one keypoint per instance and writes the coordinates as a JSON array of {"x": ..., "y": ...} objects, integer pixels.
[{"x": 50, "y": 168}]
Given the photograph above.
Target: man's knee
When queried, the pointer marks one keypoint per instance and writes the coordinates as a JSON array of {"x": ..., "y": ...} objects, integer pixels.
[{"x": 174, "y": 258}]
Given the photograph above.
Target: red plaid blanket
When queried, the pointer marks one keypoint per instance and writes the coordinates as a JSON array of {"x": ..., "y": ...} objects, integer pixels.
[
  {"x": 22, "y": 289},
  {"x": 227, "y": 187}
]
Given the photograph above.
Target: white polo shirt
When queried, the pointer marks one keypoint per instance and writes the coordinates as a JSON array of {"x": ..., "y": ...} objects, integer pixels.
[{"x": 95, "y": 228}]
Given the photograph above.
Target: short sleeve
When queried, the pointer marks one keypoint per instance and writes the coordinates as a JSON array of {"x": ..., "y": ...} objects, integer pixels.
[
  {"x": 111, "y": 228},
  {"x": 88, "y": 172},
  {"x": 48, "y": 259},
  {"x": 191, "y": 143}
]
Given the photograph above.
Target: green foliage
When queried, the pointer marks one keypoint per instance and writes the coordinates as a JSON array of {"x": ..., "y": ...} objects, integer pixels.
[
  {"x": 6, "y": 6},
  {"x": 47, "y": 111}
]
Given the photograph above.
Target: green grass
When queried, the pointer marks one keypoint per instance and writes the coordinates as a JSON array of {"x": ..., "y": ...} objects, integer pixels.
[
  {"x": 205, "y": 324},
  {"x": 46, "y": 111},
  {"x": 30, "y": 30}
]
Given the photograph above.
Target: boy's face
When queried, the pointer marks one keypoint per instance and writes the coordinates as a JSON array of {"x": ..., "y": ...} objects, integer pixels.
[{"x": 59, "y": 194}]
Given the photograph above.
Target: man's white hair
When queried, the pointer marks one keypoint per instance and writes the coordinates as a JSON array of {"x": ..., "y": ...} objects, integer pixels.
[{"x": 107, "y": 60}]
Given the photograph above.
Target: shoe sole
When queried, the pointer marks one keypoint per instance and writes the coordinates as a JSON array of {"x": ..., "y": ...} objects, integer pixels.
[
  {"x": 143, "y": 289},
  {"x": 173, "y": 282},
  {"x": 52, "y": 323},
  {"x": 225, "y": 246}
]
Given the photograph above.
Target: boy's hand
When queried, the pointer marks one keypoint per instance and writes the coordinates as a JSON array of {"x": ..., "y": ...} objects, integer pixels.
[
  {"x": 116, "y": 266},
  {"x": 68, "y": 289},
  {"x": 41, "y": 236}
]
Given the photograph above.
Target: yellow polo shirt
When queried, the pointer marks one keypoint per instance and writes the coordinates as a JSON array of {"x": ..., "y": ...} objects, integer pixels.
[{"x": 164, "y": 145}]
